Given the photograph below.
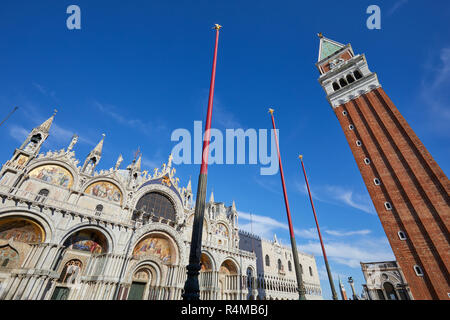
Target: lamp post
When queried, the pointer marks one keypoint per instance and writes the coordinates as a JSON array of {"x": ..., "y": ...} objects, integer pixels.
[
  {"x": 301, "y": 287},
  {"x": 350, "y": 281},
  {"x": 191, "y": 286},
  {"x": 330, "y": 277}
]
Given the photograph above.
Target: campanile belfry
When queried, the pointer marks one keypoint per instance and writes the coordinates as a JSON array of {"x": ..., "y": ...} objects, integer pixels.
[{"x": 409, "y": 190}]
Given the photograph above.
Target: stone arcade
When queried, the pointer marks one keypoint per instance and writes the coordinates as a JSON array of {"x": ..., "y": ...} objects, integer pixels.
[{"x": 70, "y": 232}]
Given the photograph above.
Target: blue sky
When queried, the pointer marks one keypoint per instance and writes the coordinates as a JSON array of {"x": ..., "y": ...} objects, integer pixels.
[{"x": 138, "y": 70}]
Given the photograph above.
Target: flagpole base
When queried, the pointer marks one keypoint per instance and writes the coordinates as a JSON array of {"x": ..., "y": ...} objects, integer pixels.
[{"x": 191, "y": 286}]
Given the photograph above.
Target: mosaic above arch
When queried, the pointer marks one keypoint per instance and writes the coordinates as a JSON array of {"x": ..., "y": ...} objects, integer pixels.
[
  {"x": 155, "y": 245},
  {"x": 21, "y": 229},
  {"x": 87, "y": 240},
  {"x": 53, "y": 174},
  {"x": 105, "y": 190}
]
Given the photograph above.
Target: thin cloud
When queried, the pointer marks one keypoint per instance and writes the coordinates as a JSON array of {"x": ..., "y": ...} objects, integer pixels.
[
  {"x": 18, "y": 133},
  {"x": 434, "y": 93},
  {"x": 338, "y": 195},
  {"x": 351, "y": 254},
  {"x": 147, "y": 128},
  {"x": 354, "y": 200},
  {"x": 396, "y": 6},
  {"x": 266, "y": 227},
  {"x": 348, "y": 233}
]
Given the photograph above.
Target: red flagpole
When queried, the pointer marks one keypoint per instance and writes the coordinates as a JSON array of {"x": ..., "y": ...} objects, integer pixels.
[
  {"x": 330, "y": 278},
  {"x": 191, "y": 286},
  {"x": 301, "y": 287}
]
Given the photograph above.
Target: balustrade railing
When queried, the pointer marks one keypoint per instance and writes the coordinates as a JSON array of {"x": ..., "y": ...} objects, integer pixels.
[{"x": 48, "y": 201}]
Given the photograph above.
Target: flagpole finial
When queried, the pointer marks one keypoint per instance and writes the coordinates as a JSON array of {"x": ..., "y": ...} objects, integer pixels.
[
  {"x": 320, "y": 35},
  {"x": 300, "y": 157},
  {"x": 271, "y": 111},
  {"x": 217, "y": 26}
]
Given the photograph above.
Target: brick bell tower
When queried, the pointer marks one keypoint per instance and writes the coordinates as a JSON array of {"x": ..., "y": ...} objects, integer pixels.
[{"x": 409, "y": 190}]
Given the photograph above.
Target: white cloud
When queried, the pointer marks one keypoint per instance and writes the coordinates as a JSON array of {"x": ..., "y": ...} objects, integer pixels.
[
  {"x": 18, "y": 133},
  {"x": 148, "y": 128},
  {"x": 351, "y": 254},
  {"x": 396, "y": 6},
  {"x": 339, "y": 195},
  {"x": 266, "y": 227},
  {"x": 350, "y": 198},
  {"x": 434, "y": 93},
  {"x": 347, "y": 233}
]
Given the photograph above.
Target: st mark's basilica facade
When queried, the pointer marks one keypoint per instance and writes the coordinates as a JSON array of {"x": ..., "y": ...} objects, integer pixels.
[{"x": 69, "y": 232}]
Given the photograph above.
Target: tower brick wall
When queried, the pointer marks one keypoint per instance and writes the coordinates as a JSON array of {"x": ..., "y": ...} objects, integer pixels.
[{"x": 411, "y": 193}]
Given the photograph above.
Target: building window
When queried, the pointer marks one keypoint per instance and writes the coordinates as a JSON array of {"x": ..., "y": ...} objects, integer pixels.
[
  {"x": 310, "y": 271},
  {"x": 358, "y": 143},
  {"x": 351, "y": 127},
  {"x": 357, "y": 74},
  {"x": 401, "y": 235},
  {"x": 388, "y": 206},
  {"x": 98, "y": 210},
  {"x": 335, "y": 86},
  {"x": 289, "y": 266},
  {"x": 280, "y": 266},
  {"x": 157, "y": 204},
  {"x": 342, "y": 82},
  {"x": 418, "y": 271},
  {"x": 344, "y": 113},
  {"x": 377, "y": 181},
  {"x": 301, "y": 268},
  {"x": 350, "y": 78},
  {"x": 267, "y": 260},
  {"x": 42, "y": 195},
  {"x": 366, "y": 161}
]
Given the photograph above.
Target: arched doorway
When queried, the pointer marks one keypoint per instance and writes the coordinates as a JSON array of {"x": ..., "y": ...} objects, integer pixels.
[
  {"x": 206, "y": 278},
  {"x": 144, "y": 284},
  {"x": 228, "y": 275}
]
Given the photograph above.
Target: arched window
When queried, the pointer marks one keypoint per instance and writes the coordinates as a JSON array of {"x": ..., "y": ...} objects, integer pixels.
[
  {"x": 98, "y": 210},
  {"x": 310, "y": 271},
  {"x": 289, "y": 266},
  {"x": 390, "y": 291},
  {"x": 357, "y": 74},
  {"x": 350, "y": 78},
  {"x": 401, "y": 235},
  {"x": 280, "y": 265},
  {"x": 157, "y": 204},
  {"x": 335, "y": 86},
  {"x": 301, "y": 269},
  {"x": 42, "y": 195},
  {"x": 342, "y": 82},
  {"x": 418, "y": 271},
  {"x": 267, "y": 260},
  {"x": 71, "y": 272}
]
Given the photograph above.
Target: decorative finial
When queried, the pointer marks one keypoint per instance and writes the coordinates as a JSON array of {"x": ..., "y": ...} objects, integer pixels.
[
  {"x": 104, "y": 135},
  {"x": 55, "y": 111},
  {"x": 271, "y": 110},
  {"x": 300, "y": 157},
  {"x": 217, "y": 26},
  {"x": 320, "y": 35}
]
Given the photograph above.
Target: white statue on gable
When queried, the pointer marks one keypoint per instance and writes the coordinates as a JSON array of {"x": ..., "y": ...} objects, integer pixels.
[
  {"x": 335, "y": 63},
  {"x": 30, "y": 146},
  {"x": 72, "y": 142}
]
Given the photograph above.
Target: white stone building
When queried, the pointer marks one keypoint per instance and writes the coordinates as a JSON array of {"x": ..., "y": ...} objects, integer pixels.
[
  {"x": 275, "y": 278},
  {"x": 70, "y": 232},
  {"x": 385, "y": 281}
]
